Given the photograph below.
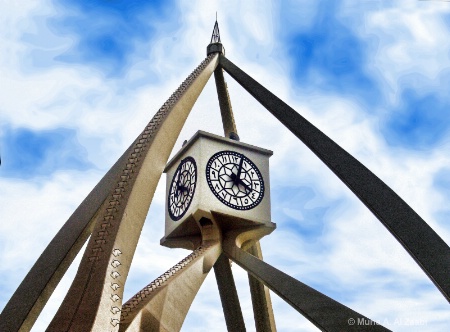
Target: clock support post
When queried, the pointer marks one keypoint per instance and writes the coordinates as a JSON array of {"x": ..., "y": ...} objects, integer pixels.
[
  {"x": 228, "y": 294},
  {"x": 262, "y": 305}
]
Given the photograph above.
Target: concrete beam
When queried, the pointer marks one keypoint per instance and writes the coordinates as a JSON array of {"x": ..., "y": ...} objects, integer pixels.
[
  {"x": 425, "y": 246},
  {"x": 262, "y": 305},
  {"x": 163, "y": 304},
  {"x": 99, "y": 282},
  {"x": 114, "y": 212},
  {"x": 27, "y": 302},
  {"x": 228, "y": 295},
  {"x": 229, "y": 125},
  {"x": 324, "y": 312},
  {"x": 89, "y": 303}
]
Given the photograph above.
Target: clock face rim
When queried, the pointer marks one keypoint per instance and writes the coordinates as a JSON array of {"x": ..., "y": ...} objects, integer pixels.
[
  {"x": 253, "y": 166},
  {"x": 183, "y": 161}
]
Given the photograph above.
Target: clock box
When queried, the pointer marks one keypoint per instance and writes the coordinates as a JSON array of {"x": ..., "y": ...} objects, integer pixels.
[{"x": 213, "y": 178}]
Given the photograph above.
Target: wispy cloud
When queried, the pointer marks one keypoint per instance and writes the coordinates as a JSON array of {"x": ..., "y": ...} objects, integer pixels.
[{"x": 81, "y": 79}]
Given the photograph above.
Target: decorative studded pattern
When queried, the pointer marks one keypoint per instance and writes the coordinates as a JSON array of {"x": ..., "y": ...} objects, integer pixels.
[
  {"x": 104, "y": 267},
  {"x": 134, "y": 303}
]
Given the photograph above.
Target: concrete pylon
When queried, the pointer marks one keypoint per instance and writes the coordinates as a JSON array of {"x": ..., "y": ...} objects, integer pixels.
[
  {"x": 424, "y": 245},
  {"x": 89, "y": 304},
  {"x": 262, "y": 305},
  {"x": 163, "y": 304},
  {"x": 113, "y": 213}
]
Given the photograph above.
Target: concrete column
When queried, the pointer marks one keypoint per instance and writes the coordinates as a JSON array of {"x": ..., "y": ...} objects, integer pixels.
[
  {"x": 229, "y": 125},
  {"x": 262, "y": 305},
  {"x": 228, "y": 295}
]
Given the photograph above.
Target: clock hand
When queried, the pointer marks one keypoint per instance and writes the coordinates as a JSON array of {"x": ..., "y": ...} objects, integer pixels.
[
  {"x": 239, "y": 169},
  {"x": 178, "y": 184},
  {"x": 247, "y": 188},
  {"x": 233, "y": 178},
  {"x": 237, "y": 181},
  {"x": 183, "y": 188}
]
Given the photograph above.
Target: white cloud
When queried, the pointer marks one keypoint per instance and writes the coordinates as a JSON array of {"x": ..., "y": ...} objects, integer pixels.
[
  {"x": 411, "y": 38},
  {"x": 354, "y": 252}
]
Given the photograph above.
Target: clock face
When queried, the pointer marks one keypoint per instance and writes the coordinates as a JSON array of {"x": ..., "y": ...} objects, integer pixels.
[
  {"x": 235, "y": 180},
  {"x": 182, "y": 188}
]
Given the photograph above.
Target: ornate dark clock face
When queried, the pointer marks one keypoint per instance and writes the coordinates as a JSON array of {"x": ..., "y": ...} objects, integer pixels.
[
  {"x": 235, "y": 180},
  {"x": 182, "y": 188}
]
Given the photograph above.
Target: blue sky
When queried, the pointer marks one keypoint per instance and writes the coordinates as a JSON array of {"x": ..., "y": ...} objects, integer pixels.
[{"x": 81, "y": 79}]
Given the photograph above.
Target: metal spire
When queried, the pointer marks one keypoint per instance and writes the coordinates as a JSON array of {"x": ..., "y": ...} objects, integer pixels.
[
  {"x": 215, "y": 38},
  {"x": 215, "y": 46}
]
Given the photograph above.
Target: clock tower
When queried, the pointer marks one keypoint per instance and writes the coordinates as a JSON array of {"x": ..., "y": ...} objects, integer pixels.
[
  {"x": 218, "y": 181},
  {"x": 217, "y": 205}
]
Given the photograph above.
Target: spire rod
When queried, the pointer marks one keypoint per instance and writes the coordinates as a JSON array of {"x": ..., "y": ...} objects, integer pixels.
[{"x": 215, "y": 38}]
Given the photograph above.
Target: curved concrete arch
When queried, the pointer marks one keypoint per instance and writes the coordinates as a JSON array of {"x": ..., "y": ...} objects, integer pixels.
[
  {"x": 114, "y": 213},
  {"x": 324, "y": 312},
  {"x": 425, "y": 246},
  {"x": 163, "y": 304},
  {"x": 90, "y": 299}
]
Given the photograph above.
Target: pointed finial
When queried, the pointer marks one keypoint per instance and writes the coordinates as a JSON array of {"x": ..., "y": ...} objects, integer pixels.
[
  {"x": 215, "y": 45},
  {"x": 215, "y": 38}
]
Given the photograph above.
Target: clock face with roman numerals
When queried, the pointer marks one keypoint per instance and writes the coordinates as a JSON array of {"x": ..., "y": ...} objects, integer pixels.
[
  {"x": 235, "y": 180},
  {"x": 182, "y": 188}
]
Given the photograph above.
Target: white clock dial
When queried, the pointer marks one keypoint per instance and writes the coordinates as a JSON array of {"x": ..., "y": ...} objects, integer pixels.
[
  {"x": 182, "y": 188},
  {"x": 235, "y": 180}
]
